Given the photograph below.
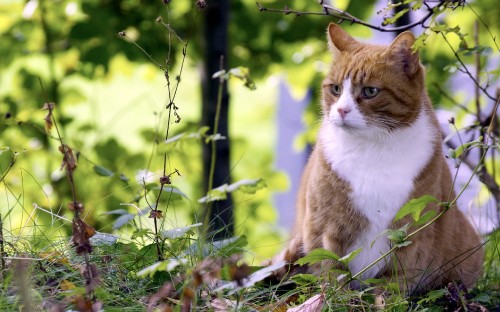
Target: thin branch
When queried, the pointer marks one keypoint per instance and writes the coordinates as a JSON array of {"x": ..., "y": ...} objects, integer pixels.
[
  {"x": 345, "y": 16},
  {"x": 484, "y": 177},
  {"x": 451, "y": 99},
  {"x": 467, "y": 71},
  {"x": 494, "y": 38}
]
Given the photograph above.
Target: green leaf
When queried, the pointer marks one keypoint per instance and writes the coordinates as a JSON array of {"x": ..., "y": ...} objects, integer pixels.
[
  {"x": 317, "y": 255},
  {"x": 117, "y": 211},
  {"x": 230, "y": 246},
  {"x": 7, "y": 158},
  {"x": 399, "y": 236},
  {"x": 452, "y": 68},
  {"x": 100, "y": 170},
  {"x": 178, "y": 232},
  {"x": 246, "y": 185},
  {"x": 122, "y": 220},
  {"x": 393, "y": 19},
  {"x": 375, "y": 281},
  {"x": 417, "y": 5},
  {"x": 184, "y": 136},
  {"x": 243, "y": 73},
  {"x": 426, "y": 217},
  {"x": 219, "y": 193},
  {"x": 420, "y": 42},
  {"x": 225, "y": 247},
  {"x": 415, "y": 207},
  {"x": 167, "y": 265},
  {"x": 219, "y": 73},
  {"x": 101, "y": 239},
  {"x": 305, "y": 279},
  {"x": 175, "y": 138},
  {"x": 214, "y": 137},
  {"x": 347, "y": 258},
  {"x": 432, "y": 296},
  {"x": 456, "y": 153},
  {"x": 140, "y": 233},
  {"x": 172, "y": 190}
]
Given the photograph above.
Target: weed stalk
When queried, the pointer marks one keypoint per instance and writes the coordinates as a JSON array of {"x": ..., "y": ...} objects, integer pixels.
[{"x": 82, "y": 232}]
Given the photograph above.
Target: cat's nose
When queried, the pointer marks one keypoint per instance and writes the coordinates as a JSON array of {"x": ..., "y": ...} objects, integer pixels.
[{"x": 343, "y": 112}]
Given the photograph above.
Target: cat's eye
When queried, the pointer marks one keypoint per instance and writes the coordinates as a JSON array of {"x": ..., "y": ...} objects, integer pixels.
[
  {"x": 370, "y": 92},
  {"x": 336, "y": 89}
]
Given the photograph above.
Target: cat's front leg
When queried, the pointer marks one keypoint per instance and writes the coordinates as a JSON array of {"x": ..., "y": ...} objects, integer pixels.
[{"x": 289, "y": 255}]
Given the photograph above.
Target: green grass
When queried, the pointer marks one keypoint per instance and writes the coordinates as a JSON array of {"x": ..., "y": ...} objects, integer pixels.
[{"x": 203, "y": 278}]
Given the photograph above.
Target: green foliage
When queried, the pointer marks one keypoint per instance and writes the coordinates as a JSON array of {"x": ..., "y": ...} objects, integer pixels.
[
  {"x": 415, "y": 207},
  {"x": 399, "y": 237},
  {"x": 109, "y": 104},
  {"x": 247, "y": 186},
  {"x": 317, "y": 255}
]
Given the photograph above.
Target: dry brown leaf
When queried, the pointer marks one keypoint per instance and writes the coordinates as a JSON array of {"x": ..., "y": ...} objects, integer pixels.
[
  {"x": 66, "y": 285},
  {"x": 69, "y": 159},
  {"x": 313, "y": 304},
  {"x": 239, "y": 272},
  {"x": 76, "y": 207},
  {"x": 222, "y": 305},
  {"x": 92, "y": 277},
  {"x": 82, "y": 232},
  {"x": 187, "y": 299},
  {"x": 158, "y": 214}
]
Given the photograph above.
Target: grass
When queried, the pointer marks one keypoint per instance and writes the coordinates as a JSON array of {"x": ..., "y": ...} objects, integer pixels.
[
  {"x": 142, "y": 267},
  {"x": 46, "y": 276}
]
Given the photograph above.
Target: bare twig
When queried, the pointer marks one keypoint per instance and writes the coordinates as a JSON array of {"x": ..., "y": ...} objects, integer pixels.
[
  {"x": 493, "y": 37},
  {"x": 172, "y": 110},
  {"x": 451, "y": 99},
  {"x": 81, "y": 231},
  {"x": 487, "y": 179},
  {"x": 466, "y": 70},
  {"x": 329, "y": 10},
  {"x": 2, "y": 250}
]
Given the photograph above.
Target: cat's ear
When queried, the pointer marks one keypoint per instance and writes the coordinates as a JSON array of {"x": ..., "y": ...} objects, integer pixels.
[
  {"x": 402, "y": 52},
  {"x": 338, "y": 39}
]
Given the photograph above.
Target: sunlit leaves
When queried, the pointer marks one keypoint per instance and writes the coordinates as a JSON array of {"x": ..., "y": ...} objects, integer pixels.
[
  {"x": 125, "y": 217},
  {"x": 317, "y": 255},
  {"x": 242, "y": 73},
  {"x": 167, "y": 265},
  {"x": 395, "y": 17},
  {"x": 220, "y": 193},
  {"x": 348, "y": 258},
  {"x": 7, "y": 160},
  {"x": 415, "y": 207},
  {"x": 432, "y": 296},
  {"x": 102, "y": 171},
  {"x": 399, "y": 237},
  {"x": 305, "y": 279},
  {"x": 320, "y": 254},
  {"x": 179, "y": 232},
  {"x": 457, "y": 152}
]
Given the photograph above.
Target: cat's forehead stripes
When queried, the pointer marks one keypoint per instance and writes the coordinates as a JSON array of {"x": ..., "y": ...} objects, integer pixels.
[{"x": 362, "y": 67}]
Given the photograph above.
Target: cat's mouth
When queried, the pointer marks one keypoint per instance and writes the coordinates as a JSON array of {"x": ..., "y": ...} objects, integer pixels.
[{"x": 347, "y": 124}]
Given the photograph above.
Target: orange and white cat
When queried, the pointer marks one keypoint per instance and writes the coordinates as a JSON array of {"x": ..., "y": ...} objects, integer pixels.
[{"x": 379, "y": 146}]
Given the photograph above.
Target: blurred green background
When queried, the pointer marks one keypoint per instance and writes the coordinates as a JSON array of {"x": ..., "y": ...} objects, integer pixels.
[{"x": 110, "y": 104}]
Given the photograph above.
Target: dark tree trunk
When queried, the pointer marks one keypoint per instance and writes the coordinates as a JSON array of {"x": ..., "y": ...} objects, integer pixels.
[
  {"x": 215, "y": 46},
  {"x": 404, "y": 19}
]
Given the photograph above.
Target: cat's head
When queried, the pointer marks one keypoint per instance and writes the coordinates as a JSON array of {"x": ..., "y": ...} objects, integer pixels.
[{"x": 372, "y": 87}]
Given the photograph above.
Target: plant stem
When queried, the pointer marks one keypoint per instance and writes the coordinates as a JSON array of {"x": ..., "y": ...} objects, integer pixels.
[
  {"x": 2, "y": 248},
  {"x": 213, "y": 156}
]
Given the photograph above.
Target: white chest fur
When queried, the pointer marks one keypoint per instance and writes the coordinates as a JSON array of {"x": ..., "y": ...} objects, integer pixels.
[{"x": 381, "y": 171}]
